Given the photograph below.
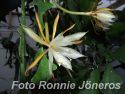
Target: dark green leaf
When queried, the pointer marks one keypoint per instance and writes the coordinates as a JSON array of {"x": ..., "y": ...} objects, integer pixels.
[
  {"x": 94, "y": 78},
  {"x": 104, "y": 53},
  {"x": 116, "y": 30},
  {"x": 74, "y": 7},
  {"x": 87, "y": 5},
  {"x": 120, "y": 54},
  {"x": 110, "y": 76},
  {"x": 42, "y": 8}
]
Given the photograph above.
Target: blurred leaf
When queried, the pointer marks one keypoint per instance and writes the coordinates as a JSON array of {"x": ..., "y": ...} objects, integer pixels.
[
  {"x": 110, "y": 76},
  {"x": 42, "y": 8},
  {"x": 87, "y": 5},
  {"x": 121, "y": 15},
  {"x": 43, "y": 69},
  {"x": 74, "y": 7},
  {"x": 116, "y": 30},
  {"x": 81, "y": 72},
  {"x": 121, "y": 90},
  {"x": 104, "y": 53},
  {"x": 94, "y": 78},
  {"x": 120, "y": 53}
]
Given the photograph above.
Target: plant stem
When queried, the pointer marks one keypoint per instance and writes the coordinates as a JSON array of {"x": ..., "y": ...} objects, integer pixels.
[
  {"x": 22, "y": 49},
  {"x": 71, "y": 12}
]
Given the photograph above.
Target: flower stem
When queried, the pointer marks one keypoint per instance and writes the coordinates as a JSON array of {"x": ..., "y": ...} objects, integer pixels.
[
  {"x": 22, "y": 46},
  {"x": 71, "y": 12}
]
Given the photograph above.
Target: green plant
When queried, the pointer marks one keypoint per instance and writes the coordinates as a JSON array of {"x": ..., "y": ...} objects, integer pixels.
[{"x": 103, "y": 43}]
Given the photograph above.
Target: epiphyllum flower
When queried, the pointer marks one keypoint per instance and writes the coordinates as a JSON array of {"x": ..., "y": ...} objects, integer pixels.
[
  {"x": 57, "y": 46},
  {"x": 103, "y": 17}
]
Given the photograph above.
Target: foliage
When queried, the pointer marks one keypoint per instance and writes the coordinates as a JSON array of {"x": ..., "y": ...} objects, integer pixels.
[
  {"x": 43, "y": 69},
  {"x": 100, "y": 46}
]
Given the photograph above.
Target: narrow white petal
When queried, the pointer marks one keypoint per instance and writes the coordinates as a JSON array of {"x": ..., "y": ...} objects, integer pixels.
[
  {"x": 105, "y": 17},
  {"x": 60, "y": 41},
  {"x": 75, "y": 36},
  {"x": 62, "y": 60},
  {"x": 34, "y": 36},
  {"x": 70, "y": 53}
]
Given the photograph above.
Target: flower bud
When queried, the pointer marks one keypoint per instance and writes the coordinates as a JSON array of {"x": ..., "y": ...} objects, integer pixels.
[{"x": 103, "y": 17}]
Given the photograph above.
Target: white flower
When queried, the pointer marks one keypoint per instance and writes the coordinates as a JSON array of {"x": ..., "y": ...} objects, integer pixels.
[
  {"x": 63, "y": 54},
  {"x": 57, "y": 47},
  {"x": 104, "y": 17}
]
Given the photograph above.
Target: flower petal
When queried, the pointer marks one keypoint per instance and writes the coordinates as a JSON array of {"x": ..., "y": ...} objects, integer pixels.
[
  {"x": 62, "y": 60},
  {"x": 68, "y": 28},
  {"x": 105, "y": 17},
  {"x": 75, "y": 36},
  {"x": 55, "y": 26},
  {"x": 34, "y": 36},
  {"x": 47, "y": 32},
  {"x": 60, "y": 41},
  {"x": 39, "y": 24},
  {"x": 33, "y": 64},
  {"x": 70, "y": 53}
]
